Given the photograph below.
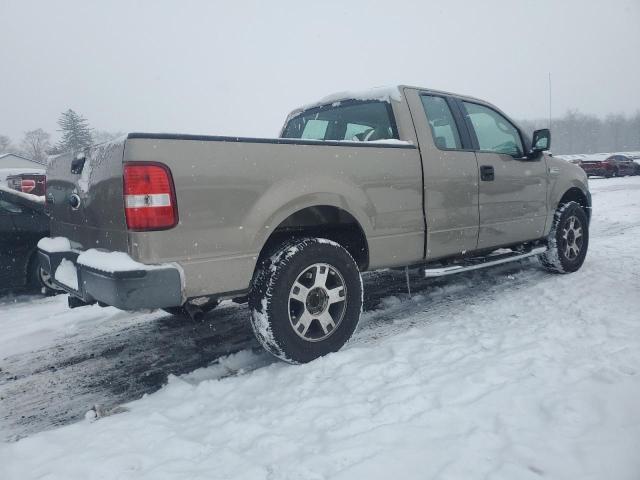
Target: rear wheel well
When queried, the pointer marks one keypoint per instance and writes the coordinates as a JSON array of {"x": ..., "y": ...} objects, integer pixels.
[
  {"x": 322, "y": 221},
  {"x": 574, "y": 194}
]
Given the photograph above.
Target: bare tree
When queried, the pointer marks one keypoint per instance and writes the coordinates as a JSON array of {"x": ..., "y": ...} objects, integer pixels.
[
  {"x": 35, "y": 145},
  {"x": 5, "y": 144}
]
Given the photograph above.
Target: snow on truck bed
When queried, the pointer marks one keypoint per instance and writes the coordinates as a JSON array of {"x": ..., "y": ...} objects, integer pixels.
[{"x": 510, "y": 373}]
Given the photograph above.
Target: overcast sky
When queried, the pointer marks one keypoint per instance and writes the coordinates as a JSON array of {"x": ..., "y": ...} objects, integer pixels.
[{"x": 238, "y": 67}]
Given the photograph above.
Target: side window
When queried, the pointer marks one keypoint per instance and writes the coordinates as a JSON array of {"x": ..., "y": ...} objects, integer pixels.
[
  {"x": 443, "y": 126},
  {"x": 494, "y": 132}
]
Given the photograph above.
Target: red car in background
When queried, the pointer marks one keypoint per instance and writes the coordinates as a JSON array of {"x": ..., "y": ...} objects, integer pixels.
[
  {"x": 33, "y": 183},
  {"x": 613, "y": 166}
]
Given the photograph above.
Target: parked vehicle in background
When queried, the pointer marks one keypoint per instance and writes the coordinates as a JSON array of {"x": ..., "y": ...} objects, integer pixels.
[
  {"x": 388, "y": 178},
  {"x": 23, "y": 223},
  {"x": 33, "y": 183},
  {"x": 613, "y": 166}
]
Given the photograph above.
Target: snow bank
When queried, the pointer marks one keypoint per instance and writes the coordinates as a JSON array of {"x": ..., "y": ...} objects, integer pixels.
[
  {"x": 111, "y": 262},
  {"x": 54, "y": 244}
]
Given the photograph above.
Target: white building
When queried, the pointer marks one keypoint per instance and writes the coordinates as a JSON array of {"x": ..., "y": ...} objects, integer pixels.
[
  {"x": 13, "y": 164},
  {"x": 12, "y": 160}
]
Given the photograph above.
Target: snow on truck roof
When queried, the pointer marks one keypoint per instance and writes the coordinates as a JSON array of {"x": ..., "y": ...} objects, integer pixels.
[{"x": 383, "y": 93}]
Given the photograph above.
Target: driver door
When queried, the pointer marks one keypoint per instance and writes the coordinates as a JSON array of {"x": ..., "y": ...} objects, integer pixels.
[{"x": 512, "y": 188}]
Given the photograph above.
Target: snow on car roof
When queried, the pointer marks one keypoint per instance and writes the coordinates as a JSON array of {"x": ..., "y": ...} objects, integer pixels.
[{"x": 26, "y": 196}]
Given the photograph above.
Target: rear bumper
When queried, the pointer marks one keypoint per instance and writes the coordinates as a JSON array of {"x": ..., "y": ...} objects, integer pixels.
[{"x": 128, "y": 290}]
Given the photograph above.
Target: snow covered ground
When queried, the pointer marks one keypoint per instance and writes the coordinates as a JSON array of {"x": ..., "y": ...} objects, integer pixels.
[{"x": 509, "y": 373}]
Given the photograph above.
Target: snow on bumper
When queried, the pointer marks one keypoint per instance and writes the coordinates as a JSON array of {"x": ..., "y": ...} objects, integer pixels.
[{"x": 111, "y": 278}]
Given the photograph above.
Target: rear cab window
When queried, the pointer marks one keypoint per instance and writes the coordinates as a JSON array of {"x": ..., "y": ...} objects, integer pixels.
[{"x": 351, "y": 120}]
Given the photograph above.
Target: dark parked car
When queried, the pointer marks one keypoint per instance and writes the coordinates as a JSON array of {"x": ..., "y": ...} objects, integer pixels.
[
  {"x": 613, "y": 166},
  {"x": 23, "y": 223},
  {"x": 33, "y": 183}
]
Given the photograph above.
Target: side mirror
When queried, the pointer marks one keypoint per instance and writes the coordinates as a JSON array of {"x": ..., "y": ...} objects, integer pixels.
[{"x": 541, "y": 141}]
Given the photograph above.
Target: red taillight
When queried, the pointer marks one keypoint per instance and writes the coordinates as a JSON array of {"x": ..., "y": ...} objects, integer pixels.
[
  {"x": 27, "y": 186},
  {"x": 149, "y": 197}
]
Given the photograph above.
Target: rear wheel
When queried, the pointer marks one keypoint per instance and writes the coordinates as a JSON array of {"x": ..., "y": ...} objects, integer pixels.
[
  {"x": 306, "y": 300},
  {"x": 40, "y": 279},
  {"x": 568, "y": 240}
]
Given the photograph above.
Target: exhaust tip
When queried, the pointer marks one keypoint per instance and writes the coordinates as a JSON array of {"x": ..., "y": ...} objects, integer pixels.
[{"x": 194, "y": 312}]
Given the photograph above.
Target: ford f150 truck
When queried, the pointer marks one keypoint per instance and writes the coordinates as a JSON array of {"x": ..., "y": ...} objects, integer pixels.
[{"x": 397, "y": 177}]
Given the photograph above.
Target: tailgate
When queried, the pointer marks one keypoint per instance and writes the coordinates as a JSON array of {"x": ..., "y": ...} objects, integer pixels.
[{"x": 84, "y": 197}]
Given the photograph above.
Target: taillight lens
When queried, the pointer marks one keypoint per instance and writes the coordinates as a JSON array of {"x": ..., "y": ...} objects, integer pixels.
[
  {"x": 149, "y": 197},
  {"x": 27, "y": 186}
]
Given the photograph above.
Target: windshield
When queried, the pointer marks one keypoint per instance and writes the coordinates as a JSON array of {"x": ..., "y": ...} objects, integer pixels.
[{"x": 358, "y": 121}]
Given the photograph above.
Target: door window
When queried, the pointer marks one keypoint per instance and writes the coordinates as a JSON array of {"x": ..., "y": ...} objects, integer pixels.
[
  {"x": 443, "y": 126},
  {"x": 494, "y": 132}
]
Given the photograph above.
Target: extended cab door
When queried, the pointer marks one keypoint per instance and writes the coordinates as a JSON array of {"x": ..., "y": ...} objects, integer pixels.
[
  {"x": 513, "y": 188},
  {"x": 450, "y": 174}
]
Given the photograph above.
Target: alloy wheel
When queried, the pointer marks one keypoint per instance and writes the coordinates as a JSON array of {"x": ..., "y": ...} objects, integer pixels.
[
  {"x": 317, "y": 302},
  {"x": 572, "y": 238}
]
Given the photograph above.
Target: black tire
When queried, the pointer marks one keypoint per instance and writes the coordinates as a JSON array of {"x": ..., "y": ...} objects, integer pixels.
[
  {"x": 562, "y": 242},
  {"x": 277, "y": 316},
  {"x": 40, "y": 280}
]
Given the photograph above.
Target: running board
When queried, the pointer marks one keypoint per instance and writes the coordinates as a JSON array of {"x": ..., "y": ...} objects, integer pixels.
[{"x": 483, "y": 262}]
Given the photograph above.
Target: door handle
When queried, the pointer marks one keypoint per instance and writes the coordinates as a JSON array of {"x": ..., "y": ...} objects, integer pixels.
[{"x": 487, "y": 173}]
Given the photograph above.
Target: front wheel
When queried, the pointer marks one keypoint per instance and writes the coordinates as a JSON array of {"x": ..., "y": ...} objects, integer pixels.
[
  {"x": 306, "y": 300},
  {"x": 568, "y": 240}
]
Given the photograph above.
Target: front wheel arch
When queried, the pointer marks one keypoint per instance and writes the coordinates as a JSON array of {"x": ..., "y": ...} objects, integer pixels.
[{"x": 575, "y": 194}]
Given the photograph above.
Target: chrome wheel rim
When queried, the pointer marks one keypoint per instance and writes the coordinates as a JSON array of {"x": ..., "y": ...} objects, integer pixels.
[
  {"x": 572, "y": 238},
  {"x": 317, "y": 302}
]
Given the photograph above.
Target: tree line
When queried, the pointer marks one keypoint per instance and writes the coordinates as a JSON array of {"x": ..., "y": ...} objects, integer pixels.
[
  {"x": 75, "y": 132},
  {"x": 578, "y": 132},
  {"x": 575, "y": 132}
]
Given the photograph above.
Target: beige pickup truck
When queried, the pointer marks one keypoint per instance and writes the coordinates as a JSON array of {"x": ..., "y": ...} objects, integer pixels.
[{"x": 395, "y": 177}]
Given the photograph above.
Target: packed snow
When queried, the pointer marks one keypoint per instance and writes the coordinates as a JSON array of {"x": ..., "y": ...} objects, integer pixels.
[
  {"x": 384, "y": 94},
  {"x": 111, "y": 261},
  {"x": 67, "y": 274},
  {"x": 54, "y": 244},
  {"x": 507, "y": 373}
]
